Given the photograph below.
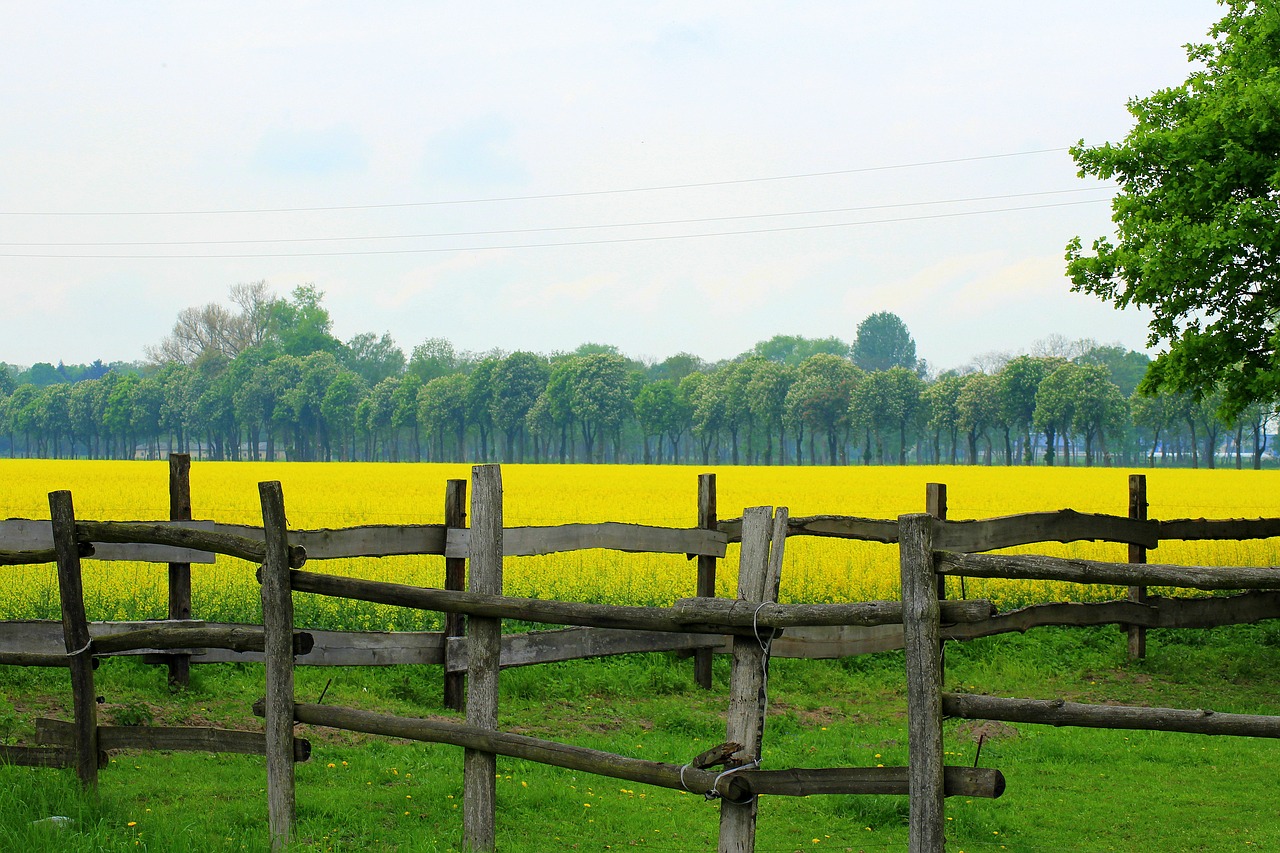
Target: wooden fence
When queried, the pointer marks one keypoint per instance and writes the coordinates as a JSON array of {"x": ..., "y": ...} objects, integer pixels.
[{"x": 931, "y": 549}]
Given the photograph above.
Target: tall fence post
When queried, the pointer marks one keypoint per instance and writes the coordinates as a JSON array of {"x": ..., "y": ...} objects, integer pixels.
[
  {"x": 455, "y": 578},
  {"x": 759, "y": 574},
  {"x": 484, "y": 637},
  {"x": 707, "y": 520},
  {"x": 75, "y": 634},
  {"x": 922, "y": 633},
  {"x": 277, "y": 623},
  {"x": 935, "y": 503},
  {"x": 180, "y": 573},
  {"x": 1137, "y": 554}
]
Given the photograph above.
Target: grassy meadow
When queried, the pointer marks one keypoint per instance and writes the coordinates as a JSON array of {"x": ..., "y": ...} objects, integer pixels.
[{"x": 1069, "y": 789}]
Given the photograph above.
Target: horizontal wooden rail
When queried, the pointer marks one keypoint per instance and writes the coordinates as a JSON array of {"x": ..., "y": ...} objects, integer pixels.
[
  {"x": 499, "y": 606},
  {"x": 961, "y": 781},
  {"x": 169, "y": 738},
  {"x": 1034, "y": 567},
  {"x": 245, "y": 638},
  {"x": 1030, "y": 528},
  {"x": 1056, "y": 712},
  {"x": 1193, "y": 529},
  {"x": 177, "y": 535},
  {"x": 33, "y": 534},
  {"x": 39, "y": 556},
  {"x": 835, "y": 526},
  {"x": 369, "y": 540},
  {"x": 611, "y": 535},
  {"x": 748, "y": 614},
  {"x": 535, "y": 647},
  {"x": 56, "y": 757},
  {"x": 1155, "y": 612}
]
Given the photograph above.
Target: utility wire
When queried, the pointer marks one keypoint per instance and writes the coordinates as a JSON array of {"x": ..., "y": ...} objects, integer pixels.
[
  {"x": 559, "y": 227},
  {"x": 553, "y": 245},
  {"x": 541, "y": 197}
]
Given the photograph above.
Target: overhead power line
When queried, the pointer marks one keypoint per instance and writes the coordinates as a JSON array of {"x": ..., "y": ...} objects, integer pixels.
[
  {"x": 557, "y": 228},
  {"x": 540, "y": 197},
  {"x": 647, "y": 239}
]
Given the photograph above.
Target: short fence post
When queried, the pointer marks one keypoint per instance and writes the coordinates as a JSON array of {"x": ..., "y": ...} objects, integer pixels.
[
  {"x": 759, "y": 574},
  {"x": 707, "y": 520},
  {"x": 1137, "y": 554},
  {"x": 277, "y": 623},
  {"x": 455, "y": 578},
  {"x": 922, "y": 634},
  {"x": 75, "y": 634},
  {"x": 484, "y": 639},
  {"x": 180, "y": 573}
]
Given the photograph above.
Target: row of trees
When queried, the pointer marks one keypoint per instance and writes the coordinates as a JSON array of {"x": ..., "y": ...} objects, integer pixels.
[{"x": 270, "y": 381}]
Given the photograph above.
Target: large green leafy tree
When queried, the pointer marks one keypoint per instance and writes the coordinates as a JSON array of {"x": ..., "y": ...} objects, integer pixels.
[
  {"x": 518, "y": 381},
  {"x": 883, "y": 342},
  {"x": 1197, "y": 217}
]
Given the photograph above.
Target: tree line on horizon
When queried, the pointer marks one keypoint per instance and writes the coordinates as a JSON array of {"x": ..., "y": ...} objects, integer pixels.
[{"x": 266, "y": 379}]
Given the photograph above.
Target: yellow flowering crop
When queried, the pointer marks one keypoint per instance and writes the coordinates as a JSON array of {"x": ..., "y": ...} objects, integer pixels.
[{"x": 346, "y": 494}]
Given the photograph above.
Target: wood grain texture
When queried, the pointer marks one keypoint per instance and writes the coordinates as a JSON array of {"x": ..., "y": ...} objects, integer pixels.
[
  {"x": 537, "y": 647},
  {"x": 835, "y": 526},
  {"x": 180, "y": 570},
  {"x": 484, "y": 635},
  {"x": 610, "y": 535},
  {"x": 76, "y": 638},
  {"x": 1193, "y": 529},
  {"x": 708, "y": 519},
  {"x": 24, "y": 534},
  {"x": 277, "y": 622},
  {"x": 455, "y": 578},
  {"x": 368, "y": 540},
  {"x": 1065, "y": 525},
  {"x": 1056, "y": 712},
  {"x": 961, "y": 781},
  {"x": 741, "y": 614},
  {"x": 747, "y": 694},
  {"x": 1035, "y": 567},
  {"x": 170, "y": 738},
  {"x": 922, "y": 635},
  {"x": 190, "y": 535}
]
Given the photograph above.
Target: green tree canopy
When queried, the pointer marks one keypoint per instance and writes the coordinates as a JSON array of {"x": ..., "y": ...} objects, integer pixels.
[
  {"x": 883, "y": 342},
  {"x": 1198, "y": 215}
]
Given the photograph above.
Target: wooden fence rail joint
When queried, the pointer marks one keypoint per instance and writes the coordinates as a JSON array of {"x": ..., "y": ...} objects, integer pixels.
[{"x": 178, "y": 536}]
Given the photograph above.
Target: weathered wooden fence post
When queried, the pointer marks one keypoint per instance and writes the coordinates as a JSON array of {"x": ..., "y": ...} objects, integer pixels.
[
  {"x": 455, "y": 578},
  {"x": 935, "y": 503},
  {"x": 180, "y": 573},
  {"x": 277, "y": 623},
  {"x": 922, "y": 633},
  {"x": 1137, "y": 554},
  {"x": 759, "y": 575},
  {"x": 75, "y": 634},
  {"x": 484, "y": 638},
  {"x": 707, "y": 520}
]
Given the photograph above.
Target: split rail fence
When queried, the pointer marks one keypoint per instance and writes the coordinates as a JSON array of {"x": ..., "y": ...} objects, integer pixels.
[{"x": 930, "y": 547}]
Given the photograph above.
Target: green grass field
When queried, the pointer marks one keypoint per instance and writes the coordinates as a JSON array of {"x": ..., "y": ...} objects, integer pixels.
[{"x": 1068, "y": 789}]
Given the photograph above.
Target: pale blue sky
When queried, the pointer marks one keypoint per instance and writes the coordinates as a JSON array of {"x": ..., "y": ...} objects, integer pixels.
[{"x": 142, "y": 108}]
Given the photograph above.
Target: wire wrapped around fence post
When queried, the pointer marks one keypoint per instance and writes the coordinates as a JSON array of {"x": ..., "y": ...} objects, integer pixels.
[{"x": 759, "y": 575}]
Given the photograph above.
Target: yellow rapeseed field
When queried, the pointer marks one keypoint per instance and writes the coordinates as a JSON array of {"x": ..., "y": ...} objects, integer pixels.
[{"x": 345, "y": 494}]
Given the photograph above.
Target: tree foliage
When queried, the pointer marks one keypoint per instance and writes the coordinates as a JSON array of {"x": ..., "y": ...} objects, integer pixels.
[
  {"x": 883, "y": 342},
  {"x": 1197, "y": 217}
]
